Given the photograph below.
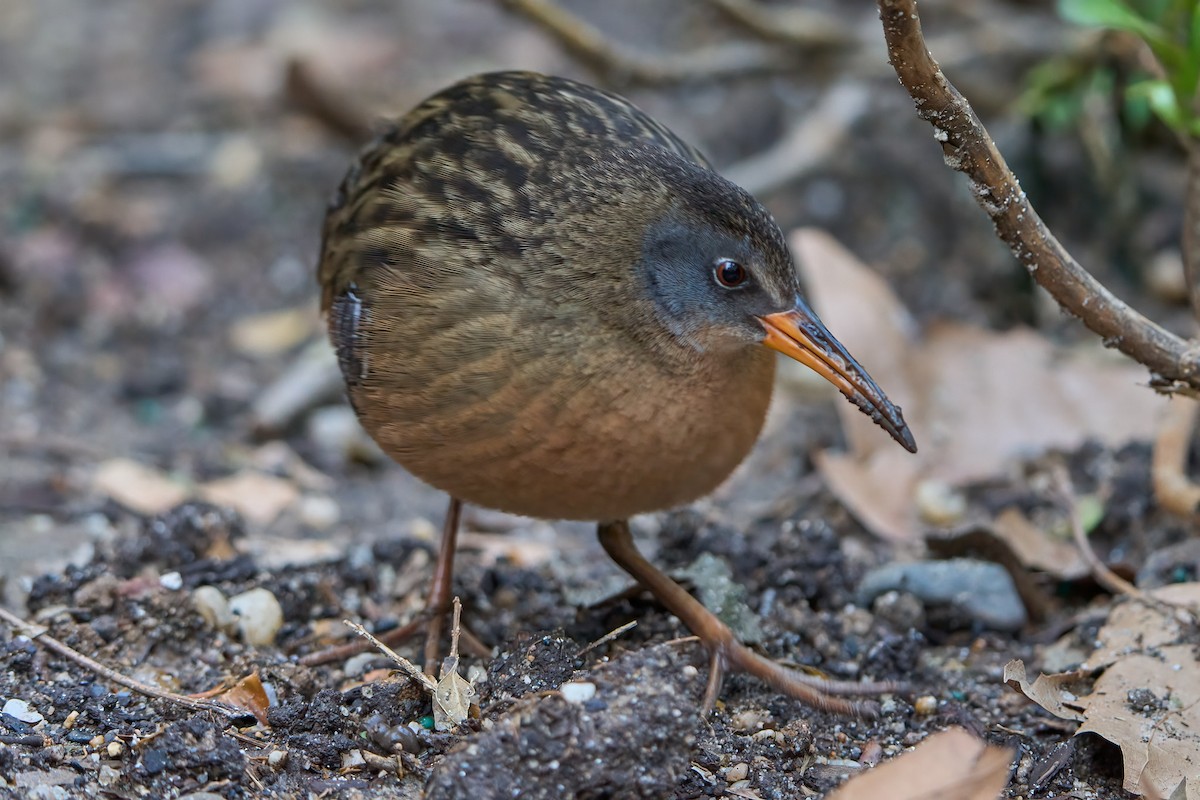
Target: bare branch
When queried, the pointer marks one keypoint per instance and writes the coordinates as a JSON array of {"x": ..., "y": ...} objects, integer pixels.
[
  {"x": 1174, "y": 362},
  {"x": 808, "y": 145},
  {"x": 1173, "y": 489},
  {"x": 623, "y": 65},
  {"x": 806, "y": 27}
]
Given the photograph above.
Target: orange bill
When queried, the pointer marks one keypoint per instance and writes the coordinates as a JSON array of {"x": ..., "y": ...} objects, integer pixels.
[{"x": 799, "y": 334}]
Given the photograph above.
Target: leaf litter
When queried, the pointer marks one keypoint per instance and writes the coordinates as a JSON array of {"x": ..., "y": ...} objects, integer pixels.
[
  {"x": 978, "y": 402},
  {"x": 1139, "y": 689}
]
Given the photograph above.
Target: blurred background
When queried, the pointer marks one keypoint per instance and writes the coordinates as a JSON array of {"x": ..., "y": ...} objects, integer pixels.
[{"x": 164, "y": 169}]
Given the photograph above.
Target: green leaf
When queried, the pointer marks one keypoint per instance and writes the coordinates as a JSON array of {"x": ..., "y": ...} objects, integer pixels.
[
  {"x": 1108, "y": 14},
  {"x": 1161, "y": 97}
]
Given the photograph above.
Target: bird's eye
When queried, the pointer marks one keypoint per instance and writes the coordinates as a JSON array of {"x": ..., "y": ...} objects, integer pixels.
[{"x": 729, "y": 273}]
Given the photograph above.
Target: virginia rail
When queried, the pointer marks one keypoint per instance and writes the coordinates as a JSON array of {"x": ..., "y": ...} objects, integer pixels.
[{"x": 545, "y": 302}]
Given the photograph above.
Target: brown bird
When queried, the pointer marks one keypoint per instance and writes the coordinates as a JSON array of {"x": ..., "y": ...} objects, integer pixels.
[{"x": 545, "y": 302}]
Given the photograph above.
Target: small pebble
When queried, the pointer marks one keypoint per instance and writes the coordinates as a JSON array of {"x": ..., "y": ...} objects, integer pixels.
[
  {"x": 20, "y": 710},
  {"x": 277, "y": 759},
  {"x": 108, "y": 776},
  {"x": 259, "y": 616},
  {"x": 578, "y": 691},
  {"x": 172, "y": 581},
  {"x": 359, "y": 664},
  {"x": 750, "y": 720},
  {"x": 925, "y": 705},
  {"x": 353, "y": 759},
  {"x": 738, "y": 772},
  {"x": 115, "y": 749},
  {"x": 690, "y": 671},
  {"x": 69, "y": 722},
  {"x": 940, "y": 504},
  {"x": 980, "y": 590},
  {"x": 319, "y": 511},
  {"x": 210, "y": 602},
  {"x": 900, "y": 609},
  {"x": 339, "y": 437}
]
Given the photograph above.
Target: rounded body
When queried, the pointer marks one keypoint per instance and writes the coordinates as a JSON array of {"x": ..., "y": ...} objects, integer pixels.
[{"x": 479, "y": 273}]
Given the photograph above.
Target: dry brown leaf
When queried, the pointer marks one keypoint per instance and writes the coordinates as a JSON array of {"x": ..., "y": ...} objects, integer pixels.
[
  {"x": 1146, "y": 700},
  {"x": 250, "y": 694},
  {"x": 1058, "y": 694},
  {"x": 1037, "y": 549},
  {"x": 453, "y": 698},
  {"x": 137, "y": 487},
  {"x": 951, "y": 765},
  {"x": 258, "y": 497},
  {"x": 977, "y": 401}
]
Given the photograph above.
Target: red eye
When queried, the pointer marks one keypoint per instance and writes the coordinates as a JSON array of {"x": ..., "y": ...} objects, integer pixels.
[{"x": 729, "y": 273}]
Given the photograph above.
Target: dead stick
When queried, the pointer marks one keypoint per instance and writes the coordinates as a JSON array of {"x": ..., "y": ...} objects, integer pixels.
[
  {"x": 1100, "y": 571},
  {"x": 623, "y": 64},
  {"x": 38, "y": 635},
  {"x": 1173, "y": 489},
  {"x": 1174, "y": 362}
]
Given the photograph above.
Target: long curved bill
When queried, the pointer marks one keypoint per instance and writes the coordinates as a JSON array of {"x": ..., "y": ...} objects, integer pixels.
[{"x": 801, "y": 335}]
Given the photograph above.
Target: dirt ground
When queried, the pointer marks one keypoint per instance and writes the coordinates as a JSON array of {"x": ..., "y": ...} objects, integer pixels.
[{"x": 159, "y": 186}]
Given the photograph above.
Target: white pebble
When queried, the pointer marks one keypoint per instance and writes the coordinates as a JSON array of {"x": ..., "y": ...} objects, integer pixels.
[
  {"x": 578, "y": 691},
  {"x": 212, "y": 605},
  {"x": 319, "y": 511},
  {"x": 172, "y": 581},
  {"x": 259, "y": 616},
  {"x": 939, "y": 503},
  {"x": 19, "y": 709},
  {"x": 277, "y": 759},
  {"x": 738, "y": 772}
]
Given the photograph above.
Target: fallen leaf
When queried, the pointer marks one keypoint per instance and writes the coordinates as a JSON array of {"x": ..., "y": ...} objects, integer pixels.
[
  {"x": 1146, "y": 696},
  {"x": 258, "y": 497},
  {"x": 1038, "y": 549},
  {"x": 137, "y": 487},
  {"x": 1058, "y": 693},
  {"x": 249, "y": 694},
  {"x": 977, "y": 401},
  {"x": 453, "y": 697},
  {"x": 951, "y": 765}
]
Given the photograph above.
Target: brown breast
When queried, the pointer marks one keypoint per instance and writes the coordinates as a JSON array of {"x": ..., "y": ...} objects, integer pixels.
[{"x": 604, "y": 439}]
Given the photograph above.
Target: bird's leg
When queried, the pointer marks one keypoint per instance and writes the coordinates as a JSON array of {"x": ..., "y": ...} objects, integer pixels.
[
  {"x": 437, "y": 601},
  {"x": 727, "y": 653},
  {"x": 432, "y": 618}
]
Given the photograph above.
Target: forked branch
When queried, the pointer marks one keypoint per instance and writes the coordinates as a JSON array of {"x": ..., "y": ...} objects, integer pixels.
[{"x": 1173, "y": 362}]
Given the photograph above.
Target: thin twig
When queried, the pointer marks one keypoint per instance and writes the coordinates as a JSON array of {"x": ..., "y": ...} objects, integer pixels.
[
  {"x": 808, "y": 145},
  {"x": 38, "y": 635},
  {"x": 806, "y": 27},
  {"x": 307, "y": 94},
  {"x": 1173, "y": 362},
  {"x": 623, "y": 65},
  {"x": 608, "y": 637},
  {"x": 412, "y": 670},
  {"x": 1173, "y": 489},
  {"x": 1100, "y": 571}
]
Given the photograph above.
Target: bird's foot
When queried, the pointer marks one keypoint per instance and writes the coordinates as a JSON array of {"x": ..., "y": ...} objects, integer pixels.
[{"x": 727, "y": 654}]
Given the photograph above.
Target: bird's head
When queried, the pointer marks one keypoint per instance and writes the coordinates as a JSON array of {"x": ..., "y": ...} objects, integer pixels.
[{"x": 720, "y": 275}]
